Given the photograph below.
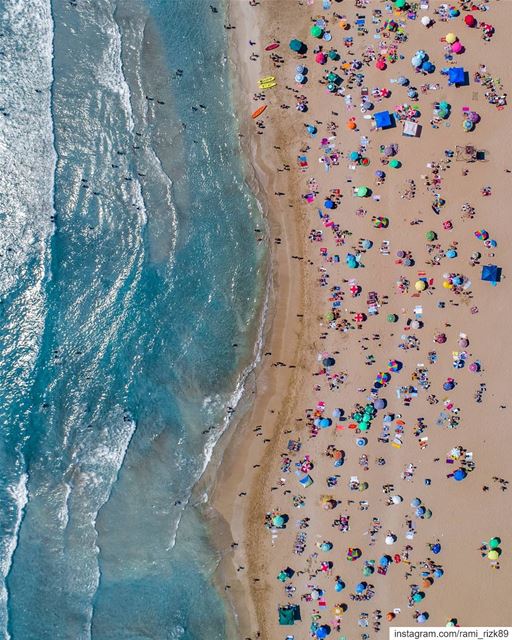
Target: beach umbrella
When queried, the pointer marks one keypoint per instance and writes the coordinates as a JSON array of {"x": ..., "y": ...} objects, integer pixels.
[
  {"x": 380, "y": 64},
  {"x": 423, "y": 617},
  {"x": 361, "y": 442},
  {"x": 311, "y": 129},
  {"x": 326, "y": 546},
  {"x": 403, "y": 81},
  {"x": 418, "y": 596},
  {"x": 380, "y": 403},
  {"x": 416, "y": 61},
  {"x": 337, "y": 413},
  {"x": 400, "y": 4},
  {"x": 420, "y": 512},
  {"x": 359, "y": 317},
  {"x": 301, "y": 69},
  {"x": 468, "y": 125},
  {"x": 361, "y": 192},
  {"x": 435, "y": 548},
  {"x": 333, "y": 54},
  {"x": 463, "y": 342},
  {"x": 392, "y": 317},
  {"x": 415, "y": 324},
  {"x": 360, "y": 587},
  {"x": 440, "y": 338},
  {"x": 390, "y": 616},
  {"x": 297, "y": 46},
  {"x": 481, "y": 234},
  {"x": 299, "y": 78},
  {"x": 363, "y": 426},
  {"x": 430, "y": 235},
  {"x": 353, "y": 553},
  {"x": 325, "y": 422},
  {"x": 367, "y": 244},
  {"x": 495, "y": 542},
  {"x": 367, "y": 571},
  {"x": 412, "y": 93},
  {"x": 380, "y": 174},
  {"x": 322, "y": 632},
  {"x": 420, "y": 285},
  {"x": 473, "y": 117},
  {"x": 384, "y": 561},
  {"x": 457, "y": 47},
  {"x": 394, "y": 365},
  {"x": 427, "y": 66},
  {"x": 450, "y": 38},
  {"x": 396, "y": 499},
  {"x": 339, "y": 585},
  {"x": 439, "y": 573},
  {"x": 329, "y": 204},
  {"x": 459, "y": 475},
  {"x": 415, "y": 502},
  {"x": 470, "y": 20},
  {"x": 493, "y": 554},
  {"x": 395, "y": 164},
  {"x": 354, "y": 155},
  {"x": 390, "y": 539},
  {"x": 321, "y": 58},
  {"x": 363, "y": 486},
  {"x": 389, "y": 151},
  {"x": 351, "y": 124},
  {"x": 474, "y": 367},
  {"x": 329, "y": 362},
  {"x": 425, "y": 21},
  {"x": 448, "y": 385},
  {"x": 451, "y": 253},
  {"x": 316, "y": 31},
  {"x": 278, "y": 521}
]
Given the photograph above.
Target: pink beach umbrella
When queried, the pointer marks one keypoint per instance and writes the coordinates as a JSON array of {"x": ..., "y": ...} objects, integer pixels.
[
  {"x": 321, "y": 58},
  {"x": 380, "y": 64},
  {"x": 457, "y": 47}
]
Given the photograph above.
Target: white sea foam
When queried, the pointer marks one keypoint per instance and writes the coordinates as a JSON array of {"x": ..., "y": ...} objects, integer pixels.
[
  {"x": 17, "y": 497},
  {"x": 27, "y": 154}
]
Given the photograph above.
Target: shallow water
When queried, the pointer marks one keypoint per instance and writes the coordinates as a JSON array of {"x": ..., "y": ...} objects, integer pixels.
[{"x": 118, "y": 320}]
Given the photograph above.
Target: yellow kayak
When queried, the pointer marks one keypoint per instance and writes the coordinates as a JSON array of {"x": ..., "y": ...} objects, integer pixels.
[
  {"x": 267, "y": 79},
  {"x": 268, "y": 85}
]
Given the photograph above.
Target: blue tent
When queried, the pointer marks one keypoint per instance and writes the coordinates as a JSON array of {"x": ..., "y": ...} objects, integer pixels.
[
  {"x": 491, "y": 273},
  {"x": 456, "y": 76},
  {"x": 306, "y": 481},
  {"x": 383, "y": 120}
]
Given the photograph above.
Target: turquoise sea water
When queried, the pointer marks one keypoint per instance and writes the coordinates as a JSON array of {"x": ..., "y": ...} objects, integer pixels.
[{"x": 128, "y": 270}]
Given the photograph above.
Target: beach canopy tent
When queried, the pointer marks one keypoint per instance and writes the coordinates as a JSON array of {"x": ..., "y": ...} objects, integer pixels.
[
  {"x": 383, "y": 120},
  {"x": 457, "y": 76},
  {"x": 288, "y": 614},
  {"x": 306, "y": 481},
  {"x": 411, "y": 129},
  {"x": 491, "y": 273}
]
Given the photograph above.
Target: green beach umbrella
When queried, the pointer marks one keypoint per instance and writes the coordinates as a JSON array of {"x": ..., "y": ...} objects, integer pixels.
[
  {"x": 362, "y": 426},
  {"x": 296, "y": 45},
  {"x": 428, "y": 514},
  {"x": 333, "y": 55},
  {"x": 494, "y": 543},
  {"x": 392, "y": 317},
  {"x": 396, "y": 164},
  {"x": 400, "y": 4},
  {"x": 278, "y": 521},
  {"x": 316, "y": 31},
  {"x": 361, "y": 192},
  {"x": 418, "y": 597},
  {"x": 431, "y": 235},
  {"x": 329, "y": 316},
  {"x": 367, "y": 571}
]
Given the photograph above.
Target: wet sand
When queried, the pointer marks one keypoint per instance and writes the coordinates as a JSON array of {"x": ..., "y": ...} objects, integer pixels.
[{"x": 251, "y": 482}]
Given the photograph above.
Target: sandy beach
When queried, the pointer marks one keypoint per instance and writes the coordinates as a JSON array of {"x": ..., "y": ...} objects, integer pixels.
[{"x": 367, "y": 484}]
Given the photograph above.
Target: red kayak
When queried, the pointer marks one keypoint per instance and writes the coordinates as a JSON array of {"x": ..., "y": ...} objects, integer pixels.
[{"x": 272, "y": 46}]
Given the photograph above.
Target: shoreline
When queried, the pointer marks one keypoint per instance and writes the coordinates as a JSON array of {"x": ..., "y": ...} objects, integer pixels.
[{"x": 232, "y": 514}]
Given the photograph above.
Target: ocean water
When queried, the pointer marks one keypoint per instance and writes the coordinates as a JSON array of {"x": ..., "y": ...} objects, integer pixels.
[{"x": 128, "y": 269}]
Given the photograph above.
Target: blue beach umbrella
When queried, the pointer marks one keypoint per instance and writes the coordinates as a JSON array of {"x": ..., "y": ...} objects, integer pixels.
[
  {"x": 339, "y": 585},
  {"x": 459, "y": 475},
  {"x": 415, "y": 502},
  {"x": 435, "y": 548}
]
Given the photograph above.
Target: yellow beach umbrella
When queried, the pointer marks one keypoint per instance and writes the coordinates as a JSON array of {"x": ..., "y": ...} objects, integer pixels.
[
  {"x": 447, "y": 285},
  {"x": 493, "y": 554},
  {"x": 420, "y": 285},
  {"x": 450, "y": 38}
]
